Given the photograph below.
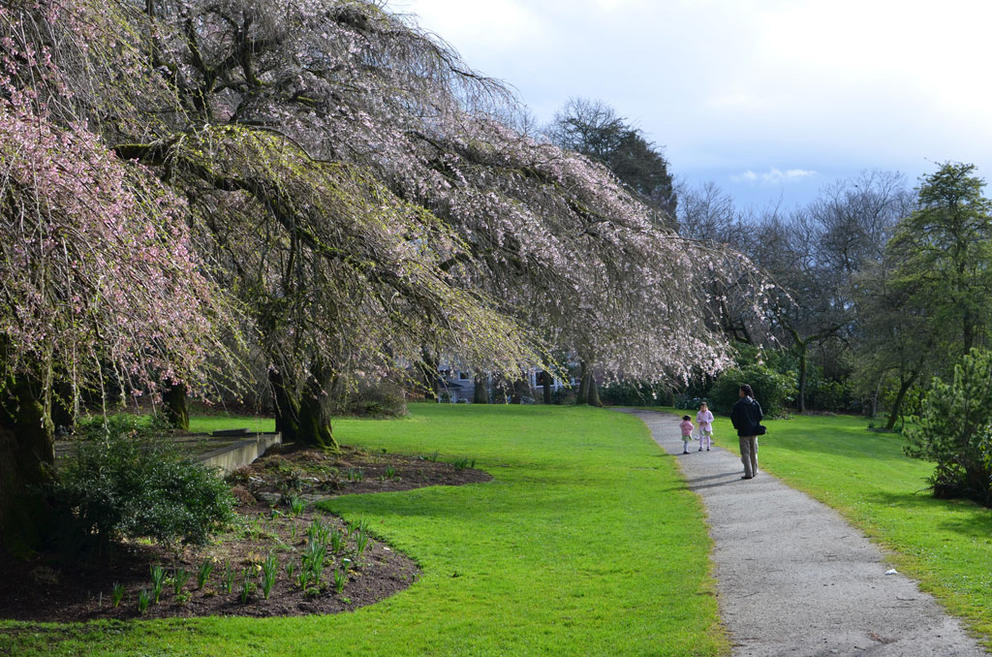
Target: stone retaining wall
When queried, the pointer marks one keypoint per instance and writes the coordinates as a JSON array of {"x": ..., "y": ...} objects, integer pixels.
[{"x": 240, "y": 453}]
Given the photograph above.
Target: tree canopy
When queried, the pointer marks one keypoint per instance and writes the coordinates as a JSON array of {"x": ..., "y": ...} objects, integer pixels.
[
  {"x": 594, "y": 129},
  {"x": 943, "y": 250},
  {"x": 332, "y": 184}
]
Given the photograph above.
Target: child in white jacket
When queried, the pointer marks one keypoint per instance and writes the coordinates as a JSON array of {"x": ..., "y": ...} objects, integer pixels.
[{"x": 704, "y": 418}]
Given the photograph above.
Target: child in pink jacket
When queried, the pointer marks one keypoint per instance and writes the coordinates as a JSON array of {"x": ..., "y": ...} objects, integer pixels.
[
  {"x": 704, "y": 418},
  {"x": 686, "y": 427}
]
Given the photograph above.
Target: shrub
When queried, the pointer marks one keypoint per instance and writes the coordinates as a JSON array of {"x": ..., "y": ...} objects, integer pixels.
[
  {"x": 829, "y": 393},
  {"x": 375, "y": 399},
  {"x": 634, "y": 393},
  {"x": 98, "y": 427},
  {"x": 128, "y": 486},
  {"x": 954, "y": 429},
  {"x": 689, "y": 403},
  {"x": 562, "y": 396},
  {"x": 829, "y": 396},
  {"x": 771, "y": 389}
]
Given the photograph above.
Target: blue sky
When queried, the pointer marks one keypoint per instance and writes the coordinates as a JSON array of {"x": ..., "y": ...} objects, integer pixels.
[{"x": 770, "y": 99}]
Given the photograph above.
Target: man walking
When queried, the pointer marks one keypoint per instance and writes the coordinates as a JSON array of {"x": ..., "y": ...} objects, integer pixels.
[{"x": 745, "y": 416}]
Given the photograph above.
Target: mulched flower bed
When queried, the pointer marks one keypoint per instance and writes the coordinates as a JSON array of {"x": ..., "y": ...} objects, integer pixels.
[{"x": 275, "y": 517}]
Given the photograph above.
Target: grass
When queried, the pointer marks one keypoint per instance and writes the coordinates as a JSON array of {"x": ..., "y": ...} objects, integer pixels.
[
  {"x": 946, "y": 545},
  {"x": 209, "y": 422},
  {"x": 220, "y": 421},
  {"x": 586, "y": 542}
]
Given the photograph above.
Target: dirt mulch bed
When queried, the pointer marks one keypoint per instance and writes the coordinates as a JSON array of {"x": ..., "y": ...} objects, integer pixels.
[
  {"x": 267, "y": 523},
  {"x": 286, "y": 471}
]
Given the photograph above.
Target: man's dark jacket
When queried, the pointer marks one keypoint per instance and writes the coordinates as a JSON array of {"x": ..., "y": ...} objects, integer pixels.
[{"x": 745, "y": 416}]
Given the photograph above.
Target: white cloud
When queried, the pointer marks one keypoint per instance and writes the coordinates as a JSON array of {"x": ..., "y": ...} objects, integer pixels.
[
  {"x": 495, "y": 25},
  {"x": 743, "y": 85},
  {"x": 773, "y": 176}
]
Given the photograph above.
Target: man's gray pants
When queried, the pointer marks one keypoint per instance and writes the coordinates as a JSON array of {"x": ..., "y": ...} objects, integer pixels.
[{"x": 749, "y": 455}]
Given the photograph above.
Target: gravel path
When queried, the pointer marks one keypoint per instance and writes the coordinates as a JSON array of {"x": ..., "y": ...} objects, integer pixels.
[{"x": 794, "y": 578}]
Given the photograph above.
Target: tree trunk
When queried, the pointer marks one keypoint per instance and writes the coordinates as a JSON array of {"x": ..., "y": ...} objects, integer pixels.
[
  {"x": 431, "y": 379},
  {"x": 305, "y": 417},
  {"x": 284, "y": 403},
  {"x": 480, "y": 395},
  {"x": 27, "y": 460},
  {"x": 904, "y": 386},
  {"x": 583, "y": 394},
  {"x": 547, "y": 386},
  {"x": 802, "y": 376},
  {"x": 588, "y": 390},
  {"x": 521, "y": 389},
  {"x": 874, "y": 397},
  {"x": 968, "y": 332},
  {"x": 176, "y": 407},
  {"x": 593, "y": 391},
  {"x": 64, "y": 407},
  {"x": 314, "y": 428}
]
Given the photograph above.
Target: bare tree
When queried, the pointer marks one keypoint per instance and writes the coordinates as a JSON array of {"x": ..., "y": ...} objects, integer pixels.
[{"x": 815, "y": 253}]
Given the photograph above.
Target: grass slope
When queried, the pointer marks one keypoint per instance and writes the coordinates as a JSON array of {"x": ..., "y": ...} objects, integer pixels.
[
  {"x": 585, "y": 543},
  {"x": 947, "y": 545}
]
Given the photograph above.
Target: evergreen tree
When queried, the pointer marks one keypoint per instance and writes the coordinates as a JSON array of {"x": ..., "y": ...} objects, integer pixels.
[
  {"x": 593, "y": 129},
  {"x": 942, "y": 251},
  {"x": 955, "y": 430}
]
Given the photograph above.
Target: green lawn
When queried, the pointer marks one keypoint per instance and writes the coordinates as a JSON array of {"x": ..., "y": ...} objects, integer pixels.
[
  {"x": 219, "y": 421},
  {"x": 947, "y": 545},
  {"x": 585, "y": 543},
  {"x": 200, "y": 422}
]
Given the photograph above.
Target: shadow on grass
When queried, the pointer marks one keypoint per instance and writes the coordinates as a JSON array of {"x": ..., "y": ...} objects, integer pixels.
[
  {"x": 847, "y": 444},
  {"x": 975, "y": 527},
  {"x": 493, "y": 410},
  {"x": 959, "y": 516},
  {"x": 54, "y": 633}
]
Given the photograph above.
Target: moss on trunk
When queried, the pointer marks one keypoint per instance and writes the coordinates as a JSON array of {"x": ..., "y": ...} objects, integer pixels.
[
  {"x": 302, "y": 417},
  {"x": 176, "y": 407},
  {"x": 588, "y": 390}
]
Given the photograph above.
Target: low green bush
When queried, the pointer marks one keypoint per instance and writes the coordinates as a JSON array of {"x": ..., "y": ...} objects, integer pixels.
[
  {"x": 954, "y": 430},
  {"x": 771, "y": 389},
  {"x": 689, "y": 403},
  {"x": 378, "y": 399},
  {"x": 832, "y": 396},
  {"x": 125, "y": 485},
  {"x": 635, "y": 393},
  {"x": 98, "y": 427}
]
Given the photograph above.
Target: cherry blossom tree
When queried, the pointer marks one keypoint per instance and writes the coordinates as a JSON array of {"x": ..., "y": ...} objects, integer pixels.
[
  {"x": 621, "y": 293},
  {"x": 369, "y": 203},
  {"x": 338, "y": 273},
  {"x": 98, "y": 275}
]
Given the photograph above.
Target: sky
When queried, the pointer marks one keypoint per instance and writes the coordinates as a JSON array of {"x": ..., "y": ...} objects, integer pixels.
[{"x": 771, "y": 100}]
